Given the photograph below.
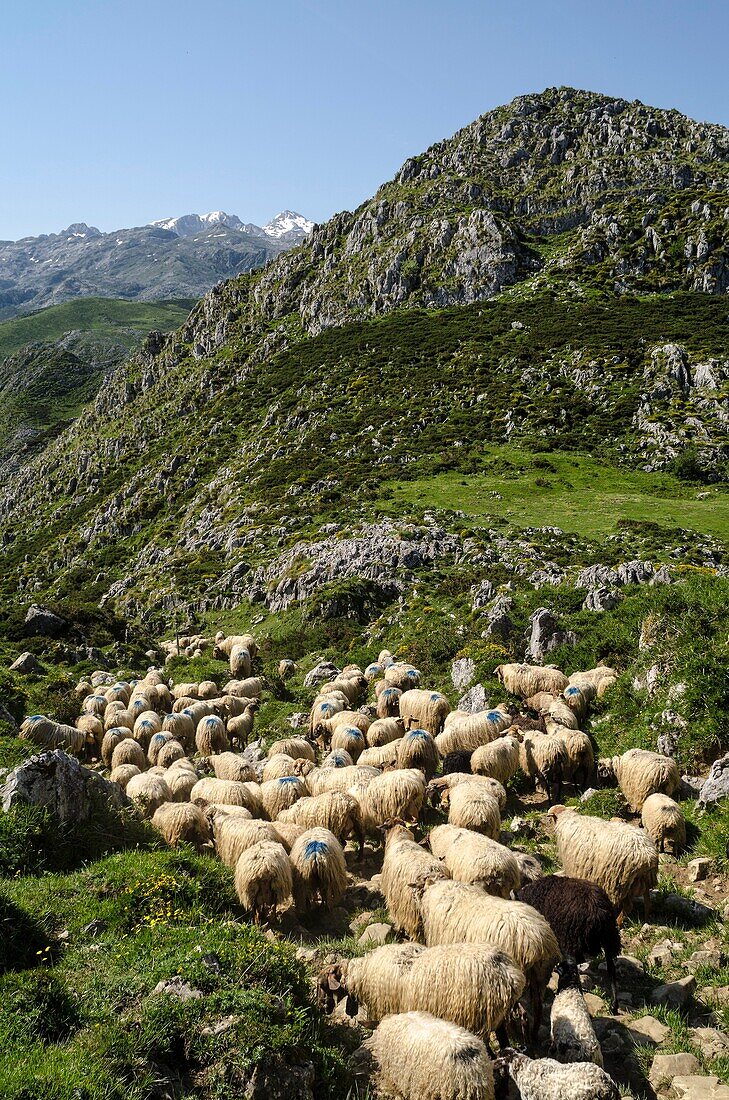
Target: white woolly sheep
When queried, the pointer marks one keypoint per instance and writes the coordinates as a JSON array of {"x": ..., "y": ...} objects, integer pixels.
[
  {"x": 456, "y": 913},
  {"x": 180, "y": 822},
  {"x": 499, "y": 759},
  {"x": 526, "y": 680},
  {"x": 95, "y": 704},
  {"x": 286, "y": 668},
  {"x": 562, "y": 714},
  {"x": 280, "y": 765},
  {"x": 472, "y": 807},
  {"x": 543, "y": 759},
  {"x": 233, "y": 834},
  {"x": 156, "y": 743},
  {"x": 147, "y": 723},
  {"x": 228, "y": 765},
  {"x": 319, "y": 870},
  {"x": 298, "y": 748},
  {"x": 224, "y": 645},
  {"x": 148, "y": 792},
  {"x": 240, "y": 726},
  {"x": 468, "y": 731},
  {"x": 573, "y": 1037},
  {"x": 473, "y": 858},
  {"x": 474, "y": 985},
  {"x": 384, "y": 730},
  {"x": 388, "y": 701},
  {"x": 415, "y": 1056},
  {"x": 402, "y": 676},
  {"x": 170, "y": 752},
  {"x": 439, "y": 790},
  {"x": 47, "y": 734},
  {"x": 340, "y": 779},
  {"x": 250, "y": 688},
  {"x": 406, "y": 864},
  {"x": 112, "y": 738},
  {"x": 287, "y": 832},
  {"x": 92, "y": 729},
  {"x": 545, "y": 1079},
  {"x": 338, "y": 758},
  {"x": 578, "y": 698},
  {"x": 181, "y": 727},
  {"x": 124, "y": 773},
  {"x": 181, "y": 782},
  {"x": 425, "y": 710},
  {"x": 579, "y": 766},
  {"x": 240, "y": 662},
  {"x": 323, "y": 709},
  {"x": 373, "y": 671},
  {"x": 350, "y": 739},
  {"x": 280, "y": 794},
  {"x": 114, "y": 719},
  {"x": 336, "y": 811},
  {"x": 615, "y": 855},
  {"x": 393, "y": 794},
  {"x": 383, "y": 756},
  {"x": 226, "y": 792},
  {"x": 417, "y": 750},
  {"x": 664, "y": 822},
  {"x": 128, "y": 751},
  {"x": 210, "y": 736},
  {"x": 263, "y": 879},
  {"x": 641, "y": 773}
]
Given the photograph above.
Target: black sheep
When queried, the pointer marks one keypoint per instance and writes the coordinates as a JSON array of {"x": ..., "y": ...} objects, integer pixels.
[
  {"x": 582, "y": 917},
  {"x": 457, "y": 762}
]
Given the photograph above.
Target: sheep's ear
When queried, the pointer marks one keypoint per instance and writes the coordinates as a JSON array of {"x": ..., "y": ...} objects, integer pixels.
[{"x": 333, "y": 983}]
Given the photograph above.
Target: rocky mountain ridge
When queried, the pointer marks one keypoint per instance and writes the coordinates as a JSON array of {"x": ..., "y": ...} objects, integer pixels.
[
  {"x": 180, "y": 257},
  {"x": 370, "y": 352}
]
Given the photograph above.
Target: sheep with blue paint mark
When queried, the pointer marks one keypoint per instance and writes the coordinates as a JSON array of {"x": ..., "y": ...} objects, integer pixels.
[
  {"x": 319, "y": 870},
  {"x": 279, "y": 794},
  {"x": 425, "y": 710},
  {"x": 417, "y": 749}
]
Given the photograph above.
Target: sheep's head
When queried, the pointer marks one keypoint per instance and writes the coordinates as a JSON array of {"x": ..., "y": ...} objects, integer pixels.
[
  {"x": 303, "y": 767},
  {"x": 606, "y": 772},
  {"x": 330, "y": 989},
  {"x": 569, "y": 975},
  {"x": 395, "y": 826}
]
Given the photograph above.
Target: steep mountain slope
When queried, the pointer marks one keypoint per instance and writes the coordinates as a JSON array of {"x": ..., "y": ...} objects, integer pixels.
[
  {"x": 52, "y": 363},
  {"x": 291, "y": 399},
  {"x": 178, "y": 258}
]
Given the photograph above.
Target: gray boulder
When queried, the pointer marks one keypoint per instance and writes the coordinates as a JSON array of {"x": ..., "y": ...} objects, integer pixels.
[
  {"x": 500, "y": 622},
  {"x": 60, "y": 783},
  {"x": 463, "y": 671},
  {"x": 41, "y": 621},
  {"x": 602, "y": 599},
  {"x": 321, "y": 673},
  {"x": 482, "y": 594},
  {"x": 716, "y": 785},
  {"x": 7, "y": 718},
  {"x": 273, "y": 1079},
  {"x": 26, "y": 664},
  {"x": 474, "y": 700},
  {"x": 545, "y": 635}
]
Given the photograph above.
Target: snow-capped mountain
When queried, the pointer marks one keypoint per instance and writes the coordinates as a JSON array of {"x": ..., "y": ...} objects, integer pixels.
[
  {"x": 173, "y": 258},
  {"x": 288, "y": 226}
]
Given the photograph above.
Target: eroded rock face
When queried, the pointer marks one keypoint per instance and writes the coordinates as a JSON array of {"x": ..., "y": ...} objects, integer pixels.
[
  {"x": 716, "y": 785},
  {"x": 61, "y": 784},
  {"x": 383, "y": 554},
  {"x": 545, "y": 635},
  {"x": 26, "y": 664},
  {"x": 41, "y": 621}
]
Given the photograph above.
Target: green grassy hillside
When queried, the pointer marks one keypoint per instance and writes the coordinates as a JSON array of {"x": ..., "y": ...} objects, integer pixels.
[{"x": 110, "y": 318}]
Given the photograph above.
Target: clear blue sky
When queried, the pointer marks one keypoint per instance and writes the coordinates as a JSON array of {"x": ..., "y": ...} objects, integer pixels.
[{"x": 118, "y": 112}]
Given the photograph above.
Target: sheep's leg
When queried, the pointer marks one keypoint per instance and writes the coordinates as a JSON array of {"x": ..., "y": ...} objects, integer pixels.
[
  {"x": 360, "y": 835},
  {"x": 535, "y": 996},
  {"x": 621, "y": 918},
  {"x": 612, "y": 975}
]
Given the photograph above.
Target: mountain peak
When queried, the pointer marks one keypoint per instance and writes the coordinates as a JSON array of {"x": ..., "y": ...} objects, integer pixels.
[
  {"x": 288, "y": 222},
  {"x": 287, "y": 226}
]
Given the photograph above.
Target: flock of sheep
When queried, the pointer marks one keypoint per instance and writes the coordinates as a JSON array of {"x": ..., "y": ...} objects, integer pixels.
[{"x": 483, "y": 927}]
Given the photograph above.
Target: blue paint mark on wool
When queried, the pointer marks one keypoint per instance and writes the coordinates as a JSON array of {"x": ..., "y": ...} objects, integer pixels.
[
  {"x": 289, "y": 779},
  {"x": 315, "y": 848}
]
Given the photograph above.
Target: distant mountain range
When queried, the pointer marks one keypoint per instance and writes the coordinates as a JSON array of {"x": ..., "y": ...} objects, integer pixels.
[{"x": 174, "y": 258}]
